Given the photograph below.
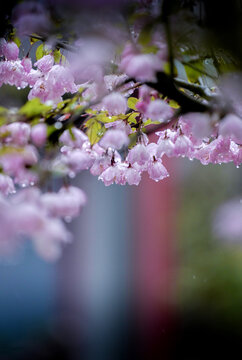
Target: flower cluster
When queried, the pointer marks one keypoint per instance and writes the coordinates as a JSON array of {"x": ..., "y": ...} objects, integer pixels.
[{"x": 112, "y": 102}]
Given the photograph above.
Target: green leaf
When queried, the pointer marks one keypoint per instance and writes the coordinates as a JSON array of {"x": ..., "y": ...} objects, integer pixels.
[
  {"x": 133, "y": 140},
  {"x": 95, "y": 130},
  {"x": 132, "y": 118},
  {"x": 173, "y": 104},
  {"x": 17, "y": 41},
  {"x": 34, "y": 108},
  {"x": 132, "y": 101},
  {"x": 41, "y": 51},
  {"x": 57, "y": 55},
  {"x": 149, "y": 122},
  {"x": 105, "y": 118},
  {"x": 50, "y": 130}
]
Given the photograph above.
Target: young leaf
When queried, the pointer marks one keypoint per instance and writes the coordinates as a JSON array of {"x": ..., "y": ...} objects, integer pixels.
[
  {"x": 34, "y": 108},
  {"x": 132, "y": 101}
]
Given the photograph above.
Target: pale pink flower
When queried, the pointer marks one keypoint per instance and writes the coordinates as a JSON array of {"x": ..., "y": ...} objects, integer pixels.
[
  {"x": 183, "y": 146},
  {"x": 114, "y": 103},
  {"x": 157, "y": 170},
  {"x": 138, "y": 154},
  {"x": 6, "y": 184},
  {"x": 19, "y": 133},
  {"x": 9, "y": 49},
  {"x": 45, "y": 63},
  {"x": 166, "y": 146},
  {"x": 231, "y": 126},
  {"x": 119, "y": 125},
  {"x": 78, "y": 160},
  {"x": 196, "y": 124},
  {"x": 158, "y": 110},
  {"x": 68, "y": 202},
  {"x": 132, "y": 176},
  {"x": 48, "y": 242},
  {"x": 27, "y": 64},
  {"x": 115, "y": 139},
  {"x": 73, "y": 138},
  {"x": 108, "y": 175},
  {"x": 143, "y": 67},
  {"x": 39, "y": 134},
  {"x": 30, "y": 17}
]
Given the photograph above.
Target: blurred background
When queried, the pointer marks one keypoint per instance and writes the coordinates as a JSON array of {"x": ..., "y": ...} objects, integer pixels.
[{"x": 144, "y": 278}]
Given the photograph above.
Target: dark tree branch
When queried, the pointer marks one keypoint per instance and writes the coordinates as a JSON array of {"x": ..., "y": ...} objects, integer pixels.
[{"x": 166, "y": 86}]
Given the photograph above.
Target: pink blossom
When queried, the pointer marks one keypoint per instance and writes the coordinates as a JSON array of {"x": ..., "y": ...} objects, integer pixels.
[
  {"x": 119, "y": 125},
  {"x": 45, "y": 63},
  {"x": 120, "y": 173},
  {"x": 115, "y": 103},
  {"x": 17, "y": 159},
  {"x": 48, "y": 241},
  {"x": 53, "y": 85},
  {"x": 6, "y": 185},
  {"x": 13, "y": 73},
  {"x": 196, "y": 124},
  {"x": 99, "y": 165},
  {"x": 78, "y": 160},
  {"x": 132, "y": 176},
  {"x": 183, "y": 146},
  {"x": 143, "y": 67},
  {"x": 25, "y": 177},
  {"x": 138, "y": 154},
  {"x": 33, "y": 76},
  {"x": 9, "y": 49},
  {"x": 221, "y": 151},
  {"x": 19, "y": 133},
  {"x": 157, "y": 170},
  {"x": 115, "y": 139},
  {"x": 27, "y": 64},
  {"x": 39, "y": 134},
  {"x": 158, "y": 110},
  {"x": 166, "y": 146},
  {"x": 73, "y": 138},
  {"x": 28, "y": 218},
  {"x": 112, "y": 81},
  {"x": 231, "y": 126},
  {"x": 30, "y": 17},
  {"x": 108, "y": 175},
  {"x": 66, "y": 203}
]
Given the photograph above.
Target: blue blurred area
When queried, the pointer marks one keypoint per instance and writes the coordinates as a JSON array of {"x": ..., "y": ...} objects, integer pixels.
[
  {"x": 81, "y": 302},
  {"x": 27, "y": 299}
]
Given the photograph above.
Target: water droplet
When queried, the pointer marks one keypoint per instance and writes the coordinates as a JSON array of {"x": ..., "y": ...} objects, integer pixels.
[
  {"x": 72, "y": 174},
  {"x": 31, "y": 183},
  {"x": 68, "y": 219},
  {"x": 58, "y": 125},
  {"x": 194, "y": 277},
  {"x": 19, "y": 88},
  {"x": 23, "y": 185},
  {"x": 237, "y": 166}
]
